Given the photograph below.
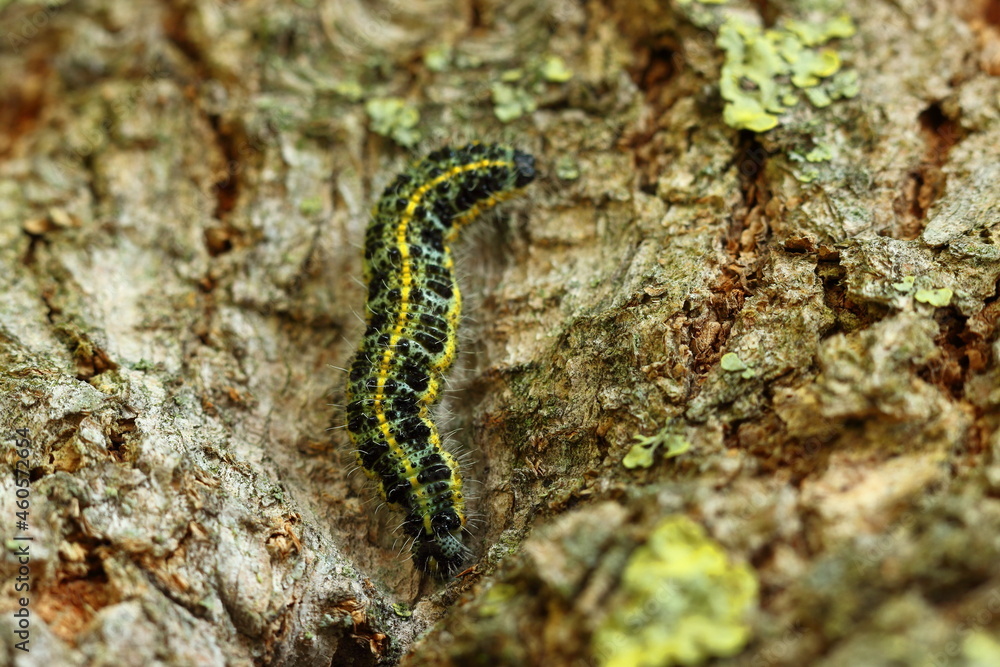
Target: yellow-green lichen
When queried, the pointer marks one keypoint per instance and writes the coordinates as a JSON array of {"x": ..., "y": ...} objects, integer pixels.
[
  {"x": 681, "y": 602},
  {"x": 515, "y": 94},
  {"x": 806, "y": 175},
  {"x": 438, "y": 58},
  {"x": 310, "y": 206},
  {"x": 766, "y": 70},
  {"x": 567, "y": 168},
  {"x": 939, "y": 298},
  {"x": 554, "y": 69},
  {"x": 349, "y": 89},
  {"x": 935, "y": 297},
  {"x": 641, "y": 453},
  {"x": 821, "y": 153},
  {"x": 814, "y": 34},
  {"x": 905, "y": 285},
  {"x": 392, "y": 117},
  {"x": 510, "y": 102},
  {"x": 402, "y": 610},
  {"x": 732, "y": 363},
  {"x": 511, "y": 75},
  {"x": 981, "y": 650}
]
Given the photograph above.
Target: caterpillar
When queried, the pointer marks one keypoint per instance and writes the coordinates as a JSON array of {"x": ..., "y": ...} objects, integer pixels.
[{"x": 412, "y": 318}]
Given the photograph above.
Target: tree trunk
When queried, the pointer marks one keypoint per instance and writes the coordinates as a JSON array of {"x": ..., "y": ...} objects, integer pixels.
[{"x": 729, "y": 382}]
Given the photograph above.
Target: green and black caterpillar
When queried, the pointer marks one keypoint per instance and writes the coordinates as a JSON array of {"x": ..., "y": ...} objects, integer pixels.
[{"x": 413, "y": 311}]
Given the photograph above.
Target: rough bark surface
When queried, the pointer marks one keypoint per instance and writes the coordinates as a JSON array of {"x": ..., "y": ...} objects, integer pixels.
[{"x": 184, "y": 185}]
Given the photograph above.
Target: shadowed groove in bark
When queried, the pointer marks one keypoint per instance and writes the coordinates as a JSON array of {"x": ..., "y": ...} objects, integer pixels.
[
  {"x": 850, "y": 315},
  {"x": 927, "y": 182}
]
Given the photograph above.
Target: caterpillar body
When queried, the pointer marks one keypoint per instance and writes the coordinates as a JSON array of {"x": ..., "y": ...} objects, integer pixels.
[{"x": 412, "y": 318}]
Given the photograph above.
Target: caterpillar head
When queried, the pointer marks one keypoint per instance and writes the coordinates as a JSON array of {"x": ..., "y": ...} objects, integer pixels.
[
  {"x": 441, "y": 555},
  {"x": 524, "y": 164}
]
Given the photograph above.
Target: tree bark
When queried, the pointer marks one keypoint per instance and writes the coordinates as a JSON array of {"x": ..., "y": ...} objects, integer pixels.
[{"x": 775, "y": 350}]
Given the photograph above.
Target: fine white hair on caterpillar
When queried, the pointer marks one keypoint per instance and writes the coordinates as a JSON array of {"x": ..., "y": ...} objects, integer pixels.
[{"x": 410, "y": 342}]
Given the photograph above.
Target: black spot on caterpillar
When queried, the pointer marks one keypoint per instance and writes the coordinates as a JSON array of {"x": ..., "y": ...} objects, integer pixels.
[{"x": 412, "y": 318}]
